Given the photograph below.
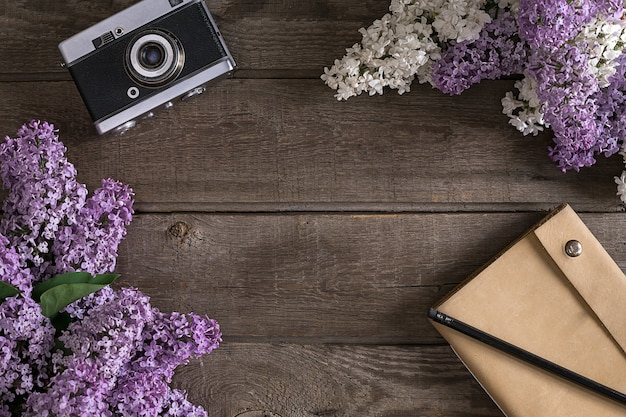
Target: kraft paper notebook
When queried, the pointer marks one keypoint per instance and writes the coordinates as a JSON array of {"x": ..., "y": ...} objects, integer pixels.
[{"x": 556, "y": 294}]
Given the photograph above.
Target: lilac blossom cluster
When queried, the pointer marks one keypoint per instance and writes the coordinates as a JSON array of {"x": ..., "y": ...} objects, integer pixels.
[
  {"x": 568, "y": 53},
  {"x": 48, "y": 217},
  {"x": 124, "y": 353},
  {"x": 403, "y": 44},
  {"x": 118, "y": 354},
  {"x": 26, "y": 343},
  {"x": 496, "y": 53}
]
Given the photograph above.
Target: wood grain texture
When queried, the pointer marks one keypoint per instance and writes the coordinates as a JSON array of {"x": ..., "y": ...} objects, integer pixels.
[
  {"x": 262, "y": 35},
  {"x": 280, "y": 380},
  {"x": 290, "y": 142},
  {"x": 323, "y": 278},
  {"x": 316, "y": 232}
]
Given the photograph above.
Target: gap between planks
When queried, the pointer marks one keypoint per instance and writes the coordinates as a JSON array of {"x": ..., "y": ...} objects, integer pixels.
[
  {"x": 62, "y": 75},
  {"x": 361, "y": 207}
]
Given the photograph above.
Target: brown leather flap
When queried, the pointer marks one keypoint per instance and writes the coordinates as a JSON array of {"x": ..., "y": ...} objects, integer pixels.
[{"x": 594, "y": 274}]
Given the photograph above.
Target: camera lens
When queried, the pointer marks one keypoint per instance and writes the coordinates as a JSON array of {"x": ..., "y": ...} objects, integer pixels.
[
  {"x": 152, "y": 55},
  {"x": 154, "y": 58}
]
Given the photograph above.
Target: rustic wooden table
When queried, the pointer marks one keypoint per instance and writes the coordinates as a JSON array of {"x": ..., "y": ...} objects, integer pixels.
[{"x": 317, "y": 232}]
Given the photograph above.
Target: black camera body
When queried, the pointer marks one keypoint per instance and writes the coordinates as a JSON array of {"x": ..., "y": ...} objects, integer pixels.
[{"x": 144, "y": 58}]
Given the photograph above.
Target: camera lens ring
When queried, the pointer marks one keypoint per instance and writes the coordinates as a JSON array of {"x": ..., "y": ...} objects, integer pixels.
[{"x": 154, "y": 58}]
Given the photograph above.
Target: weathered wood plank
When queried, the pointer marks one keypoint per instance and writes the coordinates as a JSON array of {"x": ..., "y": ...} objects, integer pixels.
[
  {"x": 277, "y": 35},
  {"x": 323, "y": 308},
  {"x": 283, "y": 380},
  {"x": 315, "y": 278},
  {"x": 290, "y": 142}
]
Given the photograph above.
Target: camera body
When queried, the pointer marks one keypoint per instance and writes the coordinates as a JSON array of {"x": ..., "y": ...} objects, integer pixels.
[{"x": 144, "y": 58}]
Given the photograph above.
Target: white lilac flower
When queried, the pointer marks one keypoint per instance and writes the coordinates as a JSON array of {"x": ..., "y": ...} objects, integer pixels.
[
  {"x": 403, "y": 44},
  {"x": 460, "y": 20},
  {"x": 603, "y": 39},
  {"x": 525, "y": 110},
  {"x": 621, "y": 186}
]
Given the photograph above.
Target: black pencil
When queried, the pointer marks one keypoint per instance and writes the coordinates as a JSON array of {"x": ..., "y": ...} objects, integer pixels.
[{"x": 526, "y": 356}]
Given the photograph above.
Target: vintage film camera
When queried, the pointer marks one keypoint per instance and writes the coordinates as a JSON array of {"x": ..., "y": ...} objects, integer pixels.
[{"x": 143, "y": 58}]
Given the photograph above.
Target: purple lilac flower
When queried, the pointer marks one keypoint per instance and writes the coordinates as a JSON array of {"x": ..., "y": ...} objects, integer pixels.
[
  {"x": 586, "y": 120},
  {"x": 177, "y": 405},
  {"x": 148, "y": 394},
  {"x": 139, "y": 394},
  {"x": 48, "y": 218},
  {"x": 496, "y": 53},
  {"x": 172, "y": 338},
  {"x": 43, "y": 193},
  {"x": 167, "y": 341},
  {"x": 567, "y": 88},
  {"x": 78, "y": 309},
  {"x": 90, "y": 244},
  {"x": 10, "y": 270},
  {"x": 120, "y": 352},
  {"x": 101, "y": 344},
  {"x": 610, "y": 8},
  {"x": 611, "y": 113},
  {"x": 26, "y": 339},
  {"x": 137, "y": 348},
  {"x": 110, "y": 333},
  {"x": 80, "y": 390},
  {"x": 548, "y": 24}
]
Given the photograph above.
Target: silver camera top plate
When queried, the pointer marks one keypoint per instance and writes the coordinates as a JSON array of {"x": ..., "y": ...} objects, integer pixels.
[{"x": 133, "y": 17}]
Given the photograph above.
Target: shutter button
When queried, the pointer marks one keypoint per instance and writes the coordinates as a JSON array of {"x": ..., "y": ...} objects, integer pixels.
[{"x": 573, "y": 248}]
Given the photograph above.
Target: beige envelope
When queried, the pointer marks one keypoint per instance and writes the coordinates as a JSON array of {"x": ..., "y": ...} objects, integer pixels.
[{"x": 570, "y": 310}]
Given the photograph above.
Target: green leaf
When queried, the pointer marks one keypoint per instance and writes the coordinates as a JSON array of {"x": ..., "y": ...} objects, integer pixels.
[
  {"x": 72, "y": 278},
  {"x": 62, "y": 295},
  {"x": 104, "y": 279},
  {"x": 58, "y": 292},
  {"x": 68, "y": 278},
  {"x": 7, "y": 290}
]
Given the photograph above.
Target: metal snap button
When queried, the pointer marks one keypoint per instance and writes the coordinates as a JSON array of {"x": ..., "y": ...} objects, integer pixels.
[{"x": 573, "y": 248}]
